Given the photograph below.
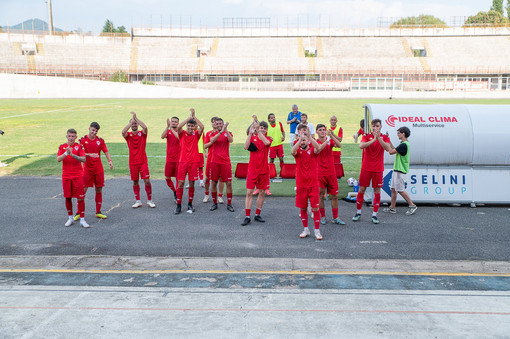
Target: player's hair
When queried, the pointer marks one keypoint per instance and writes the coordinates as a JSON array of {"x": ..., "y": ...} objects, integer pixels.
[
  {"x": 304, "y": 115},
  {"x": 72, "y": 130},
  {"x": 375, "y": 121},
  {"x": 174, "y": 118},
  {"x": 405, "y": 130},
  {"x": 193, "y": 122},
  {"x": 302, "y": 126},
  {"x": 264, "y": 124},
  {"x": 95, "y": 125},
  {"x": 219, "y": 119},
  {"x": 320, "y": 126},
  {"x": 362, "y": 123},
  {"x": 269, "y": 115},
  {"x": 213, "y": 119}
]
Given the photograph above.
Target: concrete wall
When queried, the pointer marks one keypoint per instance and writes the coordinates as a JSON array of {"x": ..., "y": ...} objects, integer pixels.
[{"x": 13, "y": 86}]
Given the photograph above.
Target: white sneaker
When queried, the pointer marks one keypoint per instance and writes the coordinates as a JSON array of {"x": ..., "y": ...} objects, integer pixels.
[
  {"x": 202, "y": 183},
  {"x": 318, "y": 235},
  {"x": 84, "y": 224},
  {"x": 69, "y": 221},
  {"x": 206, "y": 198},
  {"x": 137, "y": 204},
  {"x": 220, "y": 200},
  {"x": 151, "y": 204},
  {"x": 305, "y": 233}
]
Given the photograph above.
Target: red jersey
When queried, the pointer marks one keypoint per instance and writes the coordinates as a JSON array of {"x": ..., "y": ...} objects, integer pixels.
[
  {"x": 173, "y": 147},
  {"x": 361, "y": 131},
  {"x": 207, "y": 139},
  {"x": 258, "y": 160},
  {"x": 93, "y": 165},
  {"x": 221, "y": 149},
  {"x": 71, "y": 168},
  {"x": 306, "y": 167},
  {"x": 373, "y": 155},
  {"x": 189, "y": 146},
  {"x": 326, "y": 159},
  {"x": 136, "y": 144}
]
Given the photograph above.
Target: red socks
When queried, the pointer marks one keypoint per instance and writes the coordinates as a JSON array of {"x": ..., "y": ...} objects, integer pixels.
[
  {"x": 304, "y": 217},
  {"x": 99, "y": 201},
  {"x": 316, "y": 219},
  {"x": 136, "y": 189},
  {"x": 214, "y": 197},
  {"x": 81, "y": 207},
  {"x": 229, "y": 198},
  {"x": 247, "y": 211},
  {"x": 359, "y": 201},
  {"x": 69, "y": 206},
  {"x": 377, "y": 202},
  {"x": 179, "y": 195},
  {"x": 335, "y": 212},
  {"x": 148, "y": 190},
  {"x": 170, "y": 184},
  {"x": 323, "y": 212},
  {"x": 258, "y": 211},
  {"x": 191, "y": 193}
]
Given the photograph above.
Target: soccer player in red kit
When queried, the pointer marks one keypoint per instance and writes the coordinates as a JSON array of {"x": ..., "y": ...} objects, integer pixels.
[
  {"x": 258, "y": 143},
  {"x": 372, "y": 166},
  {"x": 188, "y": 164},
  {"x": 71, "y": 154},
  {"x": 138, "y": 164},
  {"x": 207, "y": 175},
  {"x": 173, "y": 151},
  {"x": 305, "y": 151},
  {"x": 93, "y": 172},
  {"x": 220, "y": 166},
  {"x": 327, "y": 175}
]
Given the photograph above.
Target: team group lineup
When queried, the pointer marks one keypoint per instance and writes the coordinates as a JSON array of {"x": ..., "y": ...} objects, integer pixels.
[{"x": 316, "y": 150}]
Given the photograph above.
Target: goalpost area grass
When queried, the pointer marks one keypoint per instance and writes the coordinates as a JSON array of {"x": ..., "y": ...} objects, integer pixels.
[{"x": 35, "y": 128}]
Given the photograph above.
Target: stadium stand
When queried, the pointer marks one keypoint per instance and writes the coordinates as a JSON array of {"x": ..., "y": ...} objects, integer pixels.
[{"x": 313, "y": 62}]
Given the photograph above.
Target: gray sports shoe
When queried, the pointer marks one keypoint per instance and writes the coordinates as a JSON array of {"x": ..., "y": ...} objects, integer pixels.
[{"x": 411, "y": 209}]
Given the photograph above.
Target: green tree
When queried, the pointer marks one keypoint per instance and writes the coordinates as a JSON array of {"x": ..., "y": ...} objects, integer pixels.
[
  {"x": 108, "y": 27},
  {"x": 486, "y": 19},
  {"x": 421, "y": 20},
  {"x": 497, "y": 5},
  {"x": 121, "y": 29},
  {"x": 508, "y": 9}
]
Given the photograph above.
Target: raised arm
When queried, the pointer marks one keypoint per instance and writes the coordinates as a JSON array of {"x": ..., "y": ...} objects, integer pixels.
[
  {"x": 140, "y": 122},
  {"x": 387, "y": 146},
  {"x": 296, "y": 146},
  {"x": 265, "y": 140},
  {"x": 165, "y": 131},
  {"x": 336, "y": 139},
  {"x": 252, "y": 129},
  {"x": 126, "y": 129},
  {"x": 182, "y": 124}
]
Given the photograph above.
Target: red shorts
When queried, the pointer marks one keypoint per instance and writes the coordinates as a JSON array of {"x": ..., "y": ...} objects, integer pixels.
[
  {"x": 366, "y": 176},
  {"x": 139, "y": 170},
  {"x": 336, "y": 156},
  {"x": 330, "y": 182},
  {"x": 223, "y": 171},
  {"x": 200, "y": 160},
  {"x": 91, "y": 180},
  {"x": 171, "y": 169},
  {"x": 305, "y": 193},
  {"x": 276, "y": 151},
  {"x": 188, "y": 168},
  {"x": 261, "y": 181},
  {"x": 73, "y": 188}
]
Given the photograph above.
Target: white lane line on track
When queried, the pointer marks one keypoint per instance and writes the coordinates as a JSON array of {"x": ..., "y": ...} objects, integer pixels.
[{"x": 70, "y": 109}]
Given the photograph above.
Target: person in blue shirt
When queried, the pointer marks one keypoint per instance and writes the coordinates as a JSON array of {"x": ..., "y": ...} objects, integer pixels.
[{"x": 294, "y": 119}]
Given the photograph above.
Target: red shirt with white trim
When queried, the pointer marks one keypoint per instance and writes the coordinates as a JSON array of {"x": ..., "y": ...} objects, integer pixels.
[
  {"x": 258, "y": 160},
  {"x": 93, "y": 165},
  {"x": 326, "y": 159},
  {"x": 189, "y": 146},
  {"x": 221, "y": 148},
  {"x": 173, "y": 147},
  {"x": 136, "y": 142},
  {"x": 373, "y": 155},
  {"x": 71, "y": 168},
  {"x": 306, "y": 167}
]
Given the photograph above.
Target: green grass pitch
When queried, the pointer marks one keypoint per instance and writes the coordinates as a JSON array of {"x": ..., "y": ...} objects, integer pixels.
[{"x": 35, "y": 128}]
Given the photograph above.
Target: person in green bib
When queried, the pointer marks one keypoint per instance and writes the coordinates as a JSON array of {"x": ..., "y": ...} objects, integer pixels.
[{"x": 400, "y": 169}]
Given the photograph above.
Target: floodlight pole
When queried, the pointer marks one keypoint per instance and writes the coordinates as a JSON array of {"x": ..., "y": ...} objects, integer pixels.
[{"x": 50, "y": 17}]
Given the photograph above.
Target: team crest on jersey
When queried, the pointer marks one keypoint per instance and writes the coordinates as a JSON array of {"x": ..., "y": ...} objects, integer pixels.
[
  {"x": 98, "y": 143},
  {"x": 76, "y": 148},
  {"x": 139, "y": 134},
  {"x": 308, "y": 152},
  {"x": 225, "y": 134}
]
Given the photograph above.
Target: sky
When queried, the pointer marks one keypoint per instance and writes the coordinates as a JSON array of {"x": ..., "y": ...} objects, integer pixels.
[{"x": 90, "y": 15}]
